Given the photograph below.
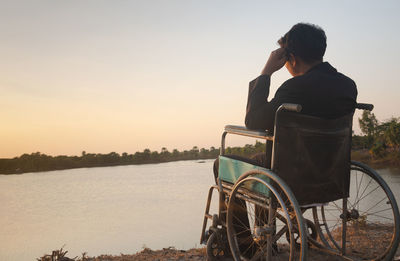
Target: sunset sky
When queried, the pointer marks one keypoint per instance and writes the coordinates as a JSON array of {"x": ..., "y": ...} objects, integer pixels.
[{"x": 101, "y": 76}]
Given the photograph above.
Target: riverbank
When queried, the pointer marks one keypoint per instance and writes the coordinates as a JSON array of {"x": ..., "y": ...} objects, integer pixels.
[
  {"x": 390, "y": 160},
  {"x": 368, "y": 240},
  {"x": 169, "y": 254}
]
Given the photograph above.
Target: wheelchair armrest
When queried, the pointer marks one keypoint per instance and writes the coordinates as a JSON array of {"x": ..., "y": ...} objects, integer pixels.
[{"x": 241, "y": 130}]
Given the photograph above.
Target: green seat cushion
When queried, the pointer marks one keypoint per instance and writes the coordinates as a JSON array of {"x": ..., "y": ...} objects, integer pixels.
[{"x": 231, "y": 169}]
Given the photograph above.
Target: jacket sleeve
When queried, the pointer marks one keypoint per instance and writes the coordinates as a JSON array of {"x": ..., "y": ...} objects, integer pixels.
[{"x": 260, "y": 114}]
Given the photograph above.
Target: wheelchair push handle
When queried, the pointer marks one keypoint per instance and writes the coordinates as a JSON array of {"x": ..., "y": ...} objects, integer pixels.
[
  {"x": 290, "y": 107},
  {"x": 365, "y": 106}
]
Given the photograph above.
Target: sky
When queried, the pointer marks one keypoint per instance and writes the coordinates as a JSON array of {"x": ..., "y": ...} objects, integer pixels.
[{"x": 102, "y": 76}]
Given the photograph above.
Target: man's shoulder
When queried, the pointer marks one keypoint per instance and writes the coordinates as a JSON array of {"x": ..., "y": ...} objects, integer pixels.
[
  {"x": 326, "y": 69},
  {"x": 346, "y": 78},
  {"x": 322, "y": 74}
]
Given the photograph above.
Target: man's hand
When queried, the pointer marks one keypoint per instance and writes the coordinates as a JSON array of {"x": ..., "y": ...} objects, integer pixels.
[{"x": 276, "y": 60}]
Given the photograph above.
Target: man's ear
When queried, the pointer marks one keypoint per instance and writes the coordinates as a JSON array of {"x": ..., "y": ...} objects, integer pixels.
[{"x": 292, "y": 60}]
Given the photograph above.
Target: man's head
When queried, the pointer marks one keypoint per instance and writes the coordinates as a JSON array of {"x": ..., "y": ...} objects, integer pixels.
[{"x": 305, "y": 46}]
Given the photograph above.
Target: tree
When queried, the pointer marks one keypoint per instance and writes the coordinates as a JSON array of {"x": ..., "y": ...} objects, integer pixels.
[
  {"x": 155, "y": 157},
  {"x": 391, "y": 134},
  {"x": 195, "y": 152},
  {"x": 368, "y": 125},
  {"x": 204, "y": 153},
  {"x": 175, "y": 154},
  {"x": 146, "y": 155},
  {"x": 165, "y": 154}
]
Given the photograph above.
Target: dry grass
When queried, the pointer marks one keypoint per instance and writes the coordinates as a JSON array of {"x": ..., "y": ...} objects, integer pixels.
[
  {"x": 161, "y": 255},
  {"x": 365, "y": 239},
  {"x": 165, "y": 254}
]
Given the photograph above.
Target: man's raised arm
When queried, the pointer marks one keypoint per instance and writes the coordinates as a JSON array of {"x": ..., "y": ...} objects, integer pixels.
[{"x": 259, "y": 112}]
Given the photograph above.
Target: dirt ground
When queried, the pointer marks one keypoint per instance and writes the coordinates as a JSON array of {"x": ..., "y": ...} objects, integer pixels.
[
  {"x": 364, "y": 240},
  {"x": 169, "y": 254},
  {"x": 146, "y": 254},
  {"x": 193, "y": 255}
]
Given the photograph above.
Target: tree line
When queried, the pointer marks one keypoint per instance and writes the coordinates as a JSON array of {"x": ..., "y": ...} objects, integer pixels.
[
  {"x": 37, "y": 161},
  {"x": 378, "y": 139}
]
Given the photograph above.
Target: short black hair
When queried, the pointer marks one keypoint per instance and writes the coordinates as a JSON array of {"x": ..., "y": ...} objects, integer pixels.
[{"x": 308, "y": 41}]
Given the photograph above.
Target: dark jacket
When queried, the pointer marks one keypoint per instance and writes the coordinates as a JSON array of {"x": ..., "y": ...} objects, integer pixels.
[{"x": 322, "y": 92}]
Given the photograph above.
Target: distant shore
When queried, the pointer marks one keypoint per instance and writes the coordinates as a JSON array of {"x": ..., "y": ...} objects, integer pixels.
[{"x": 37, "y": 162}]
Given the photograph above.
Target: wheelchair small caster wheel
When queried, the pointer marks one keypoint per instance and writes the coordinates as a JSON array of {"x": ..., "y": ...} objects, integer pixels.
[{"x": 217, "y": 248}]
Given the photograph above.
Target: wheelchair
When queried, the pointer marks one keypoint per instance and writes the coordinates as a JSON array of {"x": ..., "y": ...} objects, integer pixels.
[{"x": 312, "y": 198}]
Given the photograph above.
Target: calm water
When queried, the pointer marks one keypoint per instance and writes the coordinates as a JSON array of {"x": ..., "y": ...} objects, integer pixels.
[{"x": 108, "y": 210}]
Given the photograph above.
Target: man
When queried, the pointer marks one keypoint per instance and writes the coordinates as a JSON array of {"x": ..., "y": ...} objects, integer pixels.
[{"x": 318, "y": 87}]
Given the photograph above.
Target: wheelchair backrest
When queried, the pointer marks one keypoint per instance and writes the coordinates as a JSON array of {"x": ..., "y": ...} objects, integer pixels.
[{"x": 313, "y": 155}]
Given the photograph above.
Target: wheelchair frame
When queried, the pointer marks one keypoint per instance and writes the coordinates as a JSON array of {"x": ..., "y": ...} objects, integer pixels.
[{"x": 297, "y": 228}]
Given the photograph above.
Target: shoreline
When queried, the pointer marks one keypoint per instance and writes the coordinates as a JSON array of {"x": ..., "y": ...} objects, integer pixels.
[
  {"x": 105, "y": 166},
  {"x": 388, "y": 161}
]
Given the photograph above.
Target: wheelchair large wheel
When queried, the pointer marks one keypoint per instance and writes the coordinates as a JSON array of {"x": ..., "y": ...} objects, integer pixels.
[
  {"x": 371, "y": 231},
  {"x": 264, "y": 220}
]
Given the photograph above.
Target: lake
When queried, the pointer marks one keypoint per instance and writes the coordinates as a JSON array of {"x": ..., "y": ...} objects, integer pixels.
[{"x": 109, "y": 210}]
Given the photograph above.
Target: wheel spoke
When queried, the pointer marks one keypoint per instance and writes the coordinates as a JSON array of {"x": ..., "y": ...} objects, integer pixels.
[
  {"x": 359, "y": 185},
  {"x": 366, "y": 211},
  {"x": 380, "y": 211},
  {"x": 249, "y": 248},
  {"x": 368, "y": 194},
  {"x": 380, "y": 217},
  {"x": 356, "y": 202}
]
